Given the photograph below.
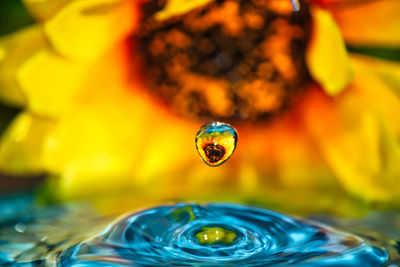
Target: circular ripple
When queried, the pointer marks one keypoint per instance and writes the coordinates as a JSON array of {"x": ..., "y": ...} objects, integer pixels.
[{"x": 166, "y": 235}]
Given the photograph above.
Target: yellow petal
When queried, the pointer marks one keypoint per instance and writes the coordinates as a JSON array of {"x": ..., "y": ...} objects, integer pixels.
[
  {"x": 378, "y": 82},
  {"x": 177, "y": 7},
  {"x": 355, "y": 158},
  {"x": 85, "y": 29},
  {"x": 21, "y": 145},
  {"x": 49, "y": 82},
  {"x": 326, "y": 56},
  {"x": 366, "y": 160},
  {"x": 44, "y": 9},
  {"x": 90, "y": 148},
  {"x": 369, "y": 22},
  {"x": 110, "y": 144},
  {"x": 15, "y": 49},
  {"x": 158, "y": 158},
  {"x": 387, "y": 71},
  {"x": 105, "y": 134},
  {"x": 358, "y": 135}
]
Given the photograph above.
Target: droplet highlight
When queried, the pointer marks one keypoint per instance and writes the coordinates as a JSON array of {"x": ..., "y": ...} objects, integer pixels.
[{"x": 216, "y": 142}]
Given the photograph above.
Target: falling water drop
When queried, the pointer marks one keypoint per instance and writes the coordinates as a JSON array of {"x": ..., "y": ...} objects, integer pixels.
[{"x": 216, "y": 142}]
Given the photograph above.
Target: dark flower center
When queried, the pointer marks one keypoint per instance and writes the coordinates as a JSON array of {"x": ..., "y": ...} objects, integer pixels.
[
  {"x": 214, "y": 152},
  {"x": 230, "y": 60}
]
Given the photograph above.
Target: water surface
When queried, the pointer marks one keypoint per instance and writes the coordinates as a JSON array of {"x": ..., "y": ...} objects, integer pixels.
[{"x": 183, "y": 234}]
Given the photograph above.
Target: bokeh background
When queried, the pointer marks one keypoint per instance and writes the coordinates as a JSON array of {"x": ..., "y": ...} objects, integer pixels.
[{"x": 77, "y": 124}]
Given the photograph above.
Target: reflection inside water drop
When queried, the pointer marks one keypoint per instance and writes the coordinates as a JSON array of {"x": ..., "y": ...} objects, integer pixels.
[{"x": 216, "y": 142}]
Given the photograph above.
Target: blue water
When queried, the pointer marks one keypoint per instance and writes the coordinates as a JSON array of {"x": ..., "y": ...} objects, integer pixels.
[
  {"x": 75, "y": 235},
  {"x": 166, "y": 235}
]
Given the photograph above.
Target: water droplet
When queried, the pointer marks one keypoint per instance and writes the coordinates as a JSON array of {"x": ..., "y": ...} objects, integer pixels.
[
  {"x": 20, "y": 227},
  {"x": 216, "y": 142}
]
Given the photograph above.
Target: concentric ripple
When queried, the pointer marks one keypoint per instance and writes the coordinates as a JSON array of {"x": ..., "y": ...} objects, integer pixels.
[{"x": 236, "y": 236}]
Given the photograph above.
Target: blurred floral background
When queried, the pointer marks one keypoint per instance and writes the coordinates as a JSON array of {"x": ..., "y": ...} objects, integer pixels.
[{"x": 101, "y": 101}]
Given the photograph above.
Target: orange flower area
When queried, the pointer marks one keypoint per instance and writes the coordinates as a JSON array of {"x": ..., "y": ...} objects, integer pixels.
[{"x": 92, "y": 124}]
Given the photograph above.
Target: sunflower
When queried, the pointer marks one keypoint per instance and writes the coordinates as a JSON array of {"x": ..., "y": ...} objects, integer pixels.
[{"x": 113, "y": 92}]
